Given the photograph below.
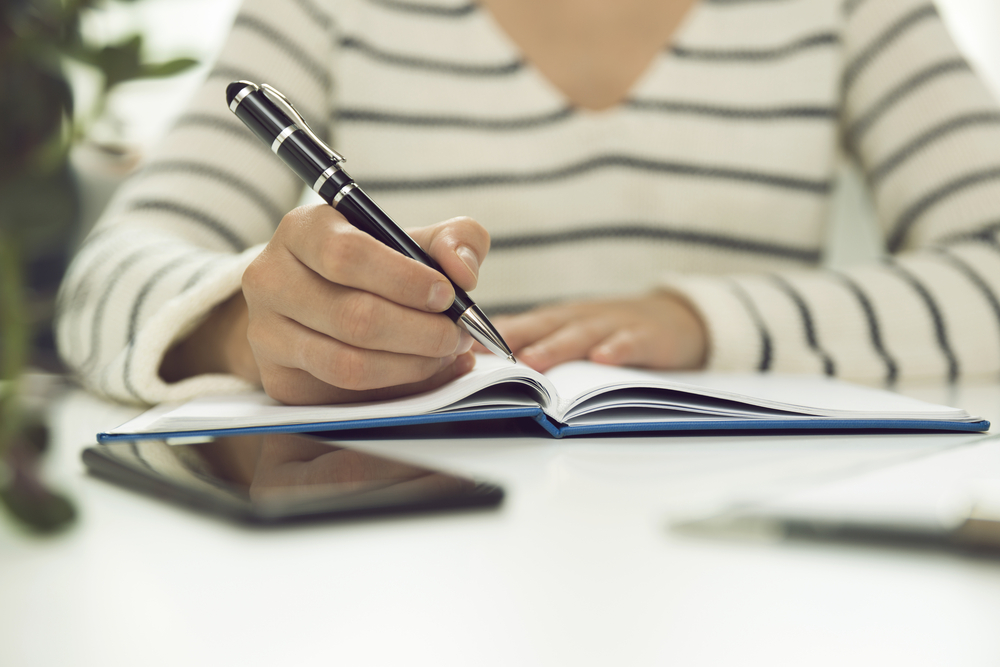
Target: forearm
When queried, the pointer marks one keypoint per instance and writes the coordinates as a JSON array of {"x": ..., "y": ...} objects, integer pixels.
[{"x": 218, "y": 345}]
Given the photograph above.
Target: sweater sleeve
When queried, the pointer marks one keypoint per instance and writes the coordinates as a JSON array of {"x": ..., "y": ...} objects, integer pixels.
[
  {"x": 177, "y": 236},
  {"x": 926, "y": 133}
]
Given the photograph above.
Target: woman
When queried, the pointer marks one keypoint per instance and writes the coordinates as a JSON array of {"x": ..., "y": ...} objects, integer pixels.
[{"x": 654, "y": 178}]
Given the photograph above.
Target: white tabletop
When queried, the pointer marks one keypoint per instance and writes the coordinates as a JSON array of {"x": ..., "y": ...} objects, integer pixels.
[{"x": 577, "y": 567}]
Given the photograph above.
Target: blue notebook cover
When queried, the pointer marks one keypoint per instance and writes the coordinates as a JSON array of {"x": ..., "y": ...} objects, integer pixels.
[
  {"x": 557, "y": 430},
  {"x": 576, "y": 399}
]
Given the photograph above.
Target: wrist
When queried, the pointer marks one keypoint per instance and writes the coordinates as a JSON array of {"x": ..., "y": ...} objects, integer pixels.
[
  {"x": 218, "y": 345},
  {"x": 691, "y": 341}
]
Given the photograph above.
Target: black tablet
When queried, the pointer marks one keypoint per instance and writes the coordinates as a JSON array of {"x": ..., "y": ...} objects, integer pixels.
[{"x": 278, "y": 478}]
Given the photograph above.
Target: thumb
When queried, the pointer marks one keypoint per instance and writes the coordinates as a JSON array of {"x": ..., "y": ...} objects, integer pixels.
[{"x": 459, "y": 245}]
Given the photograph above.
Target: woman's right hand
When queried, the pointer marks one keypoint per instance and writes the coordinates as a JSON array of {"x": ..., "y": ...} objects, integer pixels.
[{"x": 329, "y": 314}]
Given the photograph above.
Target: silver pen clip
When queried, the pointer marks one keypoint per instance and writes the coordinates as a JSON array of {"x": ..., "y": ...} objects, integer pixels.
[{"x": 275, "y": 96}]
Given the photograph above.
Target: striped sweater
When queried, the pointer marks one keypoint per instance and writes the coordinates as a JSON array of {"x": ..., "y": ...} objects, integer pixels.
[{"x": 713, "y": 178}]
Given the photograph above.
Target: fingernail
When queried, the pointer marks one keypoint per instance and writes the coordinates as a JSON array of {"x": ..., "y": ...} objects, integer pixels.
[
  {"x": 464, "y": 343},
  {"x": 440, "y": 297},
  {"x": 448, "y": 361},
  {"x": 534, "y": 356},
  {"x": 604, "y": 354},
  {"x": 469, "y": 259}
]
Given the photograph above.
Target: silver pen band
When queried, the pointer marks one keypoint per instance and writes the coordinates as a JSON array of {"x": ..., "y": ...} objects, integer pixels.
[
  {"x": 323, "y": 178},
  {"x": 284, "y": 134},
  {"x": 343, "y": 192},
  {"x": 240, "y": 95}
]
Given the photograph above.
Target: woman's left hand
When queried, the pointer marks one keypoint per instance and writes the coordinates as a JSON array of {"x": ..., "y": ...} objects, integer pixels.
[{"x": 659, "y": 330}]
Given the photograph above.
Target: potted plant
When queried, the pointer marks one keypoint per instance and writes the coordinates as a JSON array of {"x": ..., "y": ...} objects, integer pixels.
[{"x": 38, "y": 210}]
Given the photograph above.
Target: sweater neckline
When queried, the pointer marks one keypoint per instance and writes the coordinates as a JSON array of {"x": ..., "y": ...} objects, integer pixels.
[{"x": 557, "y": 94}]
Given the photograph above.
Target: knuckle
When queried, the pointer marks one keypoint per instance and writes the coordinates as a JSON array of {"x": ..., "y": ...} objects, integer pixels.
[
  {"x": 412, "y": 287},
  {"x": 295, "y": 223},
  {"x": 352, "y": 244},
  {"x": 360, "y": 317},
  {"x": 253, "y": 277},
  {"x": 627, "y": 341},
  {"x": 277, "y": 390},
  {"x": 446, "y": 340},
  {"x": 337, "y": 249},
  {"x": 479, "y": 234},
  {"x": 470, "y": 231},
  {"x": 267, "y": 273},
  {"x": 291, "y": 219},
  {"x": 276, "y": 384},
  {"x": 349, "y": 370},
  {"x": 255, "y": 331},
  {"x": 593, "y": 328}
]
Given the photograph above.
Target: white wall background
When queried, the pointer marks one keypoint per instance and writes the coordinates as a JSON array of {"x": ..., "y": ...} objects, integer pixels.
[{"x": 976, "y": 27}]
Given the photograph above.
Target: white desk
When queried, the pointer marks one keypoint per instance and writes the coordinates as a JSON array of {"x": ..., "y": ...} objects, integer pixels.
[{"x": 576, "y": 568}]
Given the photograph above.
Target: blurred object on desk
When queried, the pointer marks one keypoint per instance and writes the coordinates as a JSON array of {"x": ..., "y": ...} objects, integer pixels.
[{"x": 949, "y": 500}]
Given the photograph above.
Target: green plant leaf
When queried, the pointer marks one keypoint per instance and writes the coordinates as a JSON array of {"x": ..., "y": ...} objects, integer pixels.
[
  {"x": 39, "y": 510},
  {"x": 119, "y": 62},
  {"x": 123, "y": 62},
  {"x": 14, "y": 343},
  {"x": 168, "y": 68},
  {"x": 34, "y": 104},
  {"x": 38, "y": 210}
]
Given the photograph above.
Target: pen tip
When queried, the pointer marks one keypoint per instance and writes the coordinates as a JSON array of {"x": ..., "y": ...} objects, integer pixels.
[{"x": 511, "y": 359}]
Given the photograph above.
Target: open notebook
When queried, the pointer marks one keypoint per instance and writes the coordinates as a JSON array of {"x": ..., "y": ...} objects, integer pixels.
[{"x": 577, "y": 398}]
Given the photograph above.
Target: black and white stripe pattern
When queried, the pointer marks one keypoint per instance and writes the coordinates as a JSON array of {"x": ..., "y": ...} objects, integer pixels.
[{"x": 713, "y": 178}]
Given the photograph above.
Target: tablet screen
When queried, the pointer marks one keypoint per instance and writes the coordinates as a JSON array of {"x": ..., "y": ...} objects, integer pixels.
[{"x": 273, "y": 478}]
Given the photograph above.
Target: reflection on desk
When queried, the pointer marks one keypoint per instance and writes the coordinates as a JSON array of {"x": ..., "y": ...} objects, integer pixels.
[{"x": 277, "y": 477}]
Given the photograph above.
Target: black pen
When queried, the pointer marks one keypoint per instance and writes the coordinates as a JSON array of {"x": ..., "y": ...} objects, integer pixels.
[{"x": 275, "y": 121}]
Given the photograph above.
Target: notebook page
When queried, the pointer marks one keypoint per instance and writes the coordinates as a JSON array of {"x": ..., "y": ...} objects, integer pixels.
[
  {"x": 579, "y": 381},
  {"x": 257, "y": 409}
]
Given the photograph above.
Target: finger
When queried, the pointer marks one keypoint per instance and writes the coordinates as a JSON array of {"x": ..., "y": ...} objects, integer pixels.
[
  {"x": 297, "y": 387},
  {"x": 364, "y": 320},
  {"x": 520, "y": 331},
  {"x": 625, "y": 347},
  {"x": 649, "y": 347},
  {"x": 459, "y": 245},
  {"x": 292, "y": 345},
  {"x": 281, "y": 343},
  {"x": 567, "y": 343},
  {"x": 324, "y": 241}
]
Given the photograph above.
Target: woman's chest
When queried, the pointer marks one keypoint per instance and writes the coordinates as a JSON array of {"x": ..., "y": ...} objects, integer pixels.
[
  {"x": 439, "y": 113},
  {"x": 591, "y": 51}
]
